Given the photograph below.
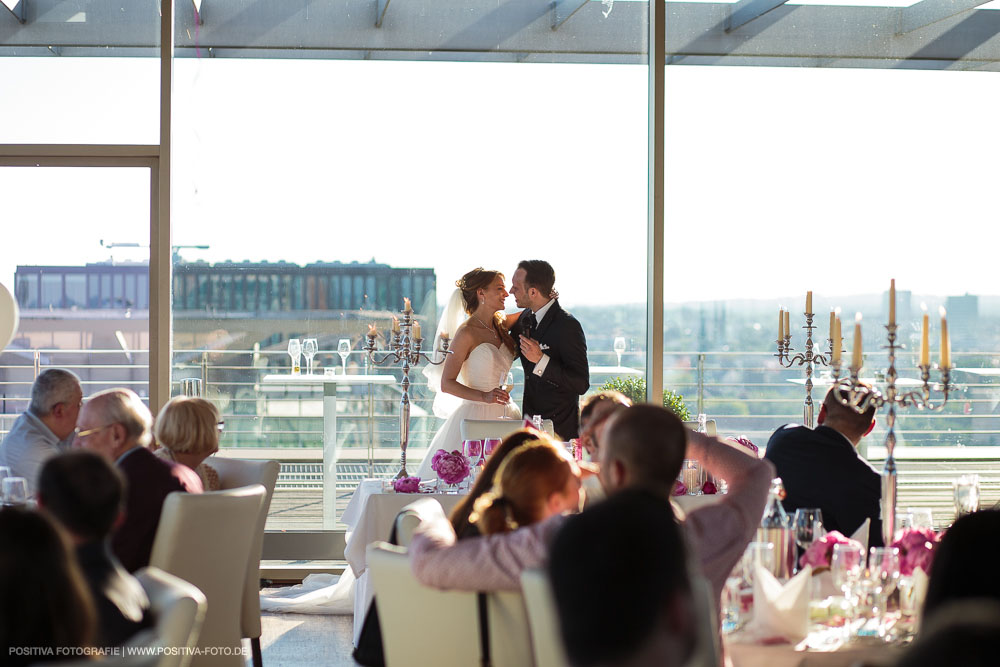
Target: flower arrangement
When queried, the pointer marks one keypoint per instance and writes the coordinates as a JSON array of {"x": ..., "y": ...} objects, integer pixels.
[
  {"x": 916, "y": 549},
  {"x": 820, "y": 553},
  {"x": 406, "y": 485},
  {"x": 452, "y": 467},
  {"x": 680, "y": 488},
  {"x": 709, "y": 488},
  {"x": 744, "y": 441}
]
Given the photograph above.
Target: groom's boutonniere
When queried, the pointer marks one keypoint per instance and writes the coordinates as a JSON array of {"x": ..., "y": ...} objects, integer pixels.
[{"x": 543, "y": 346}]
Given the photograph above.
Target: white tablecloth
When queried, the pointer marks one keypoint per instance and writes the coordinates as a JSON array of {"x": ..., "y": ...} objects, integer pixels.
[{"x": 785, "y": 655}]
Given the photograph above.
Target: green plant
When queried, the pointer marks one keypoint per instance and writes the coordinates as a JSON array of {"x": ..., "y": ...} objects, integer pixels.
[{"x": 635, "y": 389}]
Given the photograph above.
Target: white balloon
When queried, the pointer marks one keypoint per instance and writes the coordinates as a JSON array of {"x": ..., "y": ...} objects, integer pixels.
[{"x": 8, "y": 316}]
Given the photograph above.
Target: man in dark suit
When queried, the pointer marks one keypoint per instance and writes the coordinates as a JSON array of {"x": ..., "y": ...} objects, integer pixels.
[
  {"x": 85, "y": 493},
  {"x": 822, "y": 468},
  {"x": 553, "y": 349},
  {"x": 116, "y": 424}
]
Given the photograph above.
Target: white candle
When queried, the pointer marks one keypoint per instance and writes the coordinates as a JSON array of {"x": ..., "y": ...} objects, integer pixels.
[
  {"x": 836, "y": 340},
  {"x": 395, "y": 324},
  {"x": 856, "y": 359},
  {"x": 833, "y": 326},
  {"x": 809, "y": 302},
  {"x": 406, "y": 305},
  {"x": 892, "y": 302},
  {"x": 925, "y": 352},
  {"x": 416, "y": 330},
  {"x": 788, "y": 329},
  {"x": 781, "y": 323},
  {"x": 945, "y": 342},
  {"x": 372, "y": 330},
  {"x": 444, "y": 335}
]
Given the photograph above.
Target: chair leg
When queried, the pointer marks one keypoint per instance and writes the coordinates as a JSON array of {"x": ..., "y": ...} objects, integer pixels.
[{"x": 258, "y": 660}]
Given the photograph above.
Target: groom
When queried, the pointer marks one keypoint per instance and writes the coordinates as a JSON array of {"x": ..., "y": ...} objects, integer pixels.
[{"x": 553, "y": 349}]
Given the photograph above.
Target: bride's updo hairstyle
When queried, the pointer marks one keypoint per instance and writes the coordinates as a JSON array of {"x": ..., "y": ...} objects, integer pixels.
[
  {"x": 526, "y": 480},
  {"x": 472, "y": 282}
]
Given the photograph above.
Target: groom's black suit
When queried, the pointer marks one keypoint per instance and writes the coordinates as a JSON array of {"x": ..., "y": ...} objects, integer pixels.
[{"x": 556, "y": 393}]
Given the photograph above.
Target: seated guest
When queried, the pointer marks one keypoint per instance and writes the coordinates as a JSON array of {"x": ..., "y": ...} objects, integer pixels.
[
  {"x": 44, "y": 601},
  {"x": 964, "y": 561},
  {"x": 460, "y": 515},
  {"x": 594, "y": 415},
  {"x": 821, "y": 468},
  {"x": 643, "y": 447},
  {"x": 115, "y": 423},
  {"x": 187, "y": 431},
  {"x": 46, "y": 427},
  {"x": 536, "y": 481},
  {"x": 646, "y": 617},
  {"x": 85, "y": 493},
  {"x": 961, "y": 632}
]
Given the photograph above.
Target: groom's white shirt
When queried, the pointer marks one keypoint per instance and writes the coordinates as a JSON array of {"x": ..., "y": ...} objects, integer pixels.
[{"x": 539, "y": 316}]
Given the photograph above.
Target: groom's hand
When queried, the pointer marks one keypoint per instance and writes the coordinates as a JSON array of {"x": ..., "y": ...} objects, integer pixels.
[{"x": 531, "y": 350}]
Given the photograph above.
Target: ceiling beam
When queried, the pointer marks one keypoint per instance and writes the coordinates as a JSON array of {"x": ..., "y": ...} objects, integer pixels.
[
  {"x": 745, "y": 11},
  {"x": 926, "y": 12}
]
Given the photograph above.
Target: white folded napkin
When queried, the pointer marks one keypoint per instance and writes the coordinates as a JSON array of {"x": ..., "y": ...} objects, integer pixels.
[
  {"x": 861, "y": 535},
  {"x": 780, "y": 610}
]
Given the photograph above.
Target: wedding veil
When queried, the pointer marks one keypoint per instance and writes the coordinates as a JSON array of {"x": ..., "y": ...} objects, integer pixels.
[{"x": 453, "y": 316}]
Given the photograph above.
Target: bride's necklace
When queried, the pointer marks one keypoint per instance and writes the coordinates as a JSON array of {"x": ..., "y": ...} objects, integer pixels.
[{"x": 491, "y": 329}]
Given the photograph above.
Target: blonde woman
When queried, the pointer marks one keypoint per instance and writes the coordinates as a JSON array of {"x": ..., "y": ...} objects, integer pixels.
[{"x": 187, "y": 431}]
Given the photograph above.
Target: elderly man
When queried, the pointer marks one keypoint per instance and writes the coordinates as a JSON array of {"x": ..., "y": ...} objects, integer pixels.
[
  {"x": 46, "y": 427},
  {"x": 643, "y": 447},
  {"x": 116, "y": 424}
]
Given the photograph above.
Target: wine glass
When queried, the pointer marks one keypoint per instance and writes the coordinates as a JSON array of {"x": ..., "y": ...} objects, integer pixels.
[
  {"x": 845, "y": 566},
  {"x": 808, "y": 526},
  {"x": 309, "y": 349},
  {"x": 966, "y": 494},
  {"x": 15, "y": 491},
  {"x": 507, "y": 384},
  {"x": 619, "y": 347},
  {"x": 883, "y": 572},
  {"x": 344, "y": 350},
  {"x": 757, "y": 553},
  {"x": 490, "y": 445},
  {"x": 295, "y": 352}
]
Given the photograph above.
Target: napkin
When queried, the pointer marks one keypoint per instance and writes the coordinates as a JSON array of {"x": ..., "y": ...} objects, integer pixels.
[
  {"x": 780, "y": 610},
  {"x": 861, "y": 535}
]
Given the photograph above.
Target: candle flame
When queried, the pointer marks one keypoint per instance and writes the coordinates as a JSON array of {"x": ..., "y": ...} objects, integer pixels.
[
  {"x": 923, "y": 306},
  {"x": 857, "y": 317},
  {"x": 942, "y": 311},
  {"x": 837, "y": 311}
]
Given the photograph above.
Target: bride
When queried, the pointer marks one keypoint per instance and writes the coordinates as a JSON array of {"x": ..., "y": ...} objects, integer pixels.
[{"x": 469, "y": 383}]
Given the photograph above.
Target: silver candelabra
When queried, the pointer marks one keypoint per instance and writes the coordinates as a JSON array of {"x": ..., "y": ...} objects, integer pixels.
[
  {"x": 403, "y": 348},
  {"x": 809, "y": 359},
  {"x": 858, "y": 396}
]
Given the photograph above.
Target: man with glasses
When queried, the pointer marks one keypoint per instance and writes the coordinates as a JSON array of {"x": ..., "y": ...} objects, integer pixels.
[
  {"x": 46, "y": 427},
  {"x": 116, "y": 424},
  {"x": 594, "y": 416}
]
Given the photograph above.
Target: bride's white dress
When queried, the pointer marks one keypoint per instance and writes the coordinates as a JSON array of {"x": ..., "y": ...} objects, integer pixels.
[{"x": 485, "y": 370}]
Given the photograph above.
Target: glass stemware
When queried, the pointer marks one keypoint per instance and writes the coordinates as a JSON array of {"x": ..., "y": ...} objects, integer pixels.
[
  {"x": 15, "y": 491},
  {"x": 344, "y": 350},
  {"x": 807, "y": 525},
  {"x": 966, "y": 494},
  {"x": 507, "y": 384},
  {"x": 295, "y": 352},
  {"x": 309, "y": 349},
  {"x": 845, "y": 567},
  {"x": 489, "y": 445},
  {"x": 619, "y": 347},
  {"x": 882, "y": 575}
]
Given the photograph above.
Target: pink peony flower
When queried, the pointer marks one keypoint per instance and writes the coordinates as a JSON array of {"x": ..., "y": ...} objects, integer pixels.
[
  {"x": 820, "y": 552},
  {"x": 451, "y": 468},
  {"x": 916, "y": 549},
  {"x": 745, "y": 442},
  {"x": 406, "y": 485},
  {"x": 680, "y": 488},
  {"x": 709, "y": 488}
]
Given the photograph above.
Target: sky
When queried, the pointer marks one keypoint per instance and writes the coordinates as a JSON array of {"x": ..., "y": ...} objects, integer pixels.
[{"x": 778, "y": 180}]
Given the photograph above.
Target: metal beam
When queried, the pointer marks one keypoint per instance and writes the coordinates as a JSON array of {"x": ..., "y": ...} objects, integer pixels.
[
  {"x": 747, "y": 10},
  {"x": 16, "y": 7},
  {"x": 656, "y": 169},
  {"x": 926, "y": 12},
  {"x": 563, "y": 9},
  {"x": 380, "y": 7}
]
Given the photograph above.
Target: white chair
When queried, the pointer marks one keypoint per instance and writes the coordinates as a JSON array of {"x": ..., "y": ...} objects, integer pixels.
[
  {"x": 710, "y": 427},
  {"x": 178, "y": 609},
  {"x": 411, "y": 516},
  {"x": 424, "y": 626},
  {"x": 478, "y": 429},
  {"x": 706, "y": 650},
  {"x": 546, "y": 638},
  {"x": 234, "y": 473},
  {"x": 205, "y": 539}
]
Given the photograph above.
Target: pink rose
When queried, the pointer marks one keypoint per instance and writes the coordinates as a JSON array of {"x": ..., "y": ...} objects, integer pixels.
[
  {"x": 916, "y": 549},
  {"x": 406, "y": 485},
  {"x": 451, "y": 468},
  {"x": 820, "y": 552},
  {"x": 744, "y": 441},
  {"x": 680, "y": 488},
  {"x": 709, "y": 488}
]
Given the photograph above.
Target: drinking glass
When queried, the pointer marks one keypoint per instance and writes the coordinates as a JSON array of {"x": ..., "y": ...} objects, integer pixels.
[
  {"x": 966, "y": 494},
  {"x": 15, "y": 491},
  {"x": 808, "y": 526},
  {"x": 309, "y": 349},
  {"x": 922, "y": 517},
  {"x": 344, "y": 350},
  {"x": 473, "y": 450},
  {"x": 619, "y": 347},
  {"x": 757, "y": 553},
  {"x": 295, "y": 352},
  {"x": 507, "y": 384},
  {"x": 489, "y": 445},
  {"x": 845, "y": 567},
  {"x": 5, "y": 473},
  {"x": 904, "y": 521},
  {"x": 691, "y": 476},
  {"x": 883, "y": 572}
]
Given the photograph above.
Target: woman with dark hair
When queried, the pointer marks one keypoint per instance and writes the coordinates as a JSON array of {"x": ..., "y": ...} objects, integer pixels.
[
  {"x": 45, "y": 604},
  {"x": 460, "y": 515},
  {"x": 536, "y": 481},
  {"x": 471, "y": 384},
  {"x": 964, "y": 560}
]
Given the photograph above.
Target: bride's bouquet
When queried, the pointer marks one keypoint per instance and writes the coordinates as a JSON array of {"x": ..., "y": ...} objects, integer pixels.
[{"x": 451, "y": 467}]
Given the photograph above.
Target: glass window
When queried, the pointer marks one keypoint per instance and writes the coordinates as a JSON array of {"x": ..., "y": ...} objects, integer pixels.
[
  {"x": 27, "y": 290},
  {"x": 52, "y": 294},
  {"x": 93, "y": 290},
  {"x": 76, "y": 290}
]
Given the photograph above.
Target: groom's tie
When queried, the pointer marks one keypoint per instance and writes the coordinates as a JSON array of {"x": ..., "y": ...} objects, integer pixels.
[{"x": 530, "y": 324}]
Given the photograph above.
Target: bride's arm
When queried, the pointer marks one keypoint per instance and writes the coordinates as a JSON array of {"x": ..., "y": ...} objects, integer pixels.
[
  {"x": 460, "y": 349},
  {"x": 511, "y": 318}
]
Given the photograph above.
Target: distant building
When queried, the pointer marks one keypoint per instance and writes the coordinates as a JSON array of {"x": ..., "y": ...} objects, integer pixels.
[{"x": 963, "y": 311}]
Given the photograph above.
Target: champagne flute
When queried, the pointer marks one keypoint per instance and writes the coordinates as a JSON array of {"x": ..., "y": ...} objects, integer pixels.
[
  {"x": 507, "y": 384},
  {"x": 344, "y": 350},
  {"x": 309, "y": 349},
  {"x": 619, "y": 347},
  {"x": 295, "y": 352}
]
